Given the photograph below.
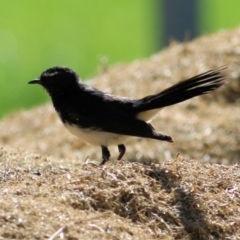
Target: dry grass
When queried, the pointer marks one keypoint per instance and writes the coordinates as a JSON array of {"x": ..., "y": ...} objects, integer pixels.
[
  {"x": 168, "y": 197},
  {"x": 179, "y": 199}
]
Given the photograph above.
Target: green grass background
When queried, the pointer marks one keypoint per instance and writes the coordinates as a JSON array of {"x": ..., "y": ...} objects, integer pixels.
[{"x": 35, "y": 35}]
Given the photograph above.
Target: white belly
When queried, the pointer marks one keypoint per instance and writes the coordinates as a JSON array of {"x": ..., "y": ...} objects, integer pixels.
[
  {"x": 147, "y": 116},
  {"x": 95, "y": 137}
]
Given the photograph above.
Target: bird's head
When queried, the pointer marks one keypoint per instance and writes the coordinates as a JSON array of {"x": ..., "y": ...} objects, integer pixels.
[{"x": 57, "y": 79}]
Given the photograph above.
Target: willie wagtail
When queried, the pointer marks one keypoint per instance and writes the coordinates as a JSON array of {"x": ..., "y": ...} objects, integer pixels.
[{"x": 102, "y": 119}]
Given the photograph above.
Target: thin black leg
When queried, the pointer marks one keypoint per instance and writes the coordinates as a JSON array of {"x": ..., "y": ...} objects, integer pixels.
[
  {"x": 105, "y": 155},
  {"x": 122, "y": 150}
]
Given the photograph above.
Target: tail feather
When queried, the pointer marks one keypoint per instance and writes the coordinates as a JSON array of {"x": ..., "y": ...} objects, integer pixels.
[{"x": 195, "y": 86}]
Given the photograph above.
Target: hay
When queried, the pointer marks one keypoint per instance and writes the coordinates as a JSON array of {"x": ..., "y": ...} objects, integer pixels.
[
  {"x": 51, "y": 190},
  {"x": 179, "y": 199}
]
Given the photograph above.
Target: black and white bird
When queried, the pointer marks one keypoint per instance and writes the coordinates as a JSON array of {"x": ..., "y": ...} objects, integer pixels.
[{"x": 102, "y": 119}]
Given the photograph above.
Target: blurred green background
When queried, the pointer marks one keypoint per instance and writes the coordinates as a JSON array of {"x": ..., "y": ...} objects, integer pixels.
[{"x": 36, "y": 35}]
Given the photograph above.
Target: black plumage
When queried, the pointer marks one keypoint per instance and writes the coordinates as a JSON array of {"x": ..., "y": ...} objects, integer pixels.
[{"x": 103, "y": 119}]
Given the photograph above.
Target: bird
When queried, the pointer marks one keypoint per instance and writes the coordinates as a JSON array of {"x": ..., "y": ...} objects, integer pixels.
[{"x": 103, "y": 119}]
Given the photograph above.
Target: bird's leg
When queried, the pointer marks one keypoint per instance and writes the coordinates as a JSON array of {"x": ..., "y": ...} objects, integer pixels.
[
  {"x": 105, "y": 155},
  {"x": 122, "y": 150}
]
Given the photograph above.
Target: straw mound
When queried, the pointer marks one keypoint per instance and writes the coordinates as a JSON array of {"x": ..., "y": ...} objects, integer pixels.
[
  {"x": 179, "y": 199},
  {"x": 67, "y": 195}
]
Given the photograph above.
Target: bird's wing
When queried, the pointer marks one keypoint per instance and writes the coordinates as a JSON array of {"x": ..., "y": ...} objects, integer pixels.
[{"x": 117, "y": 117}]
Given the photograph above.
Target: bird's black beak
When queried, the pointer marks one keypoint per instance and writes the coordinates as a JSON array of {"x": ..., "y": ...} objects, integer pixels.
[{"x": 35, "y": 81}]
